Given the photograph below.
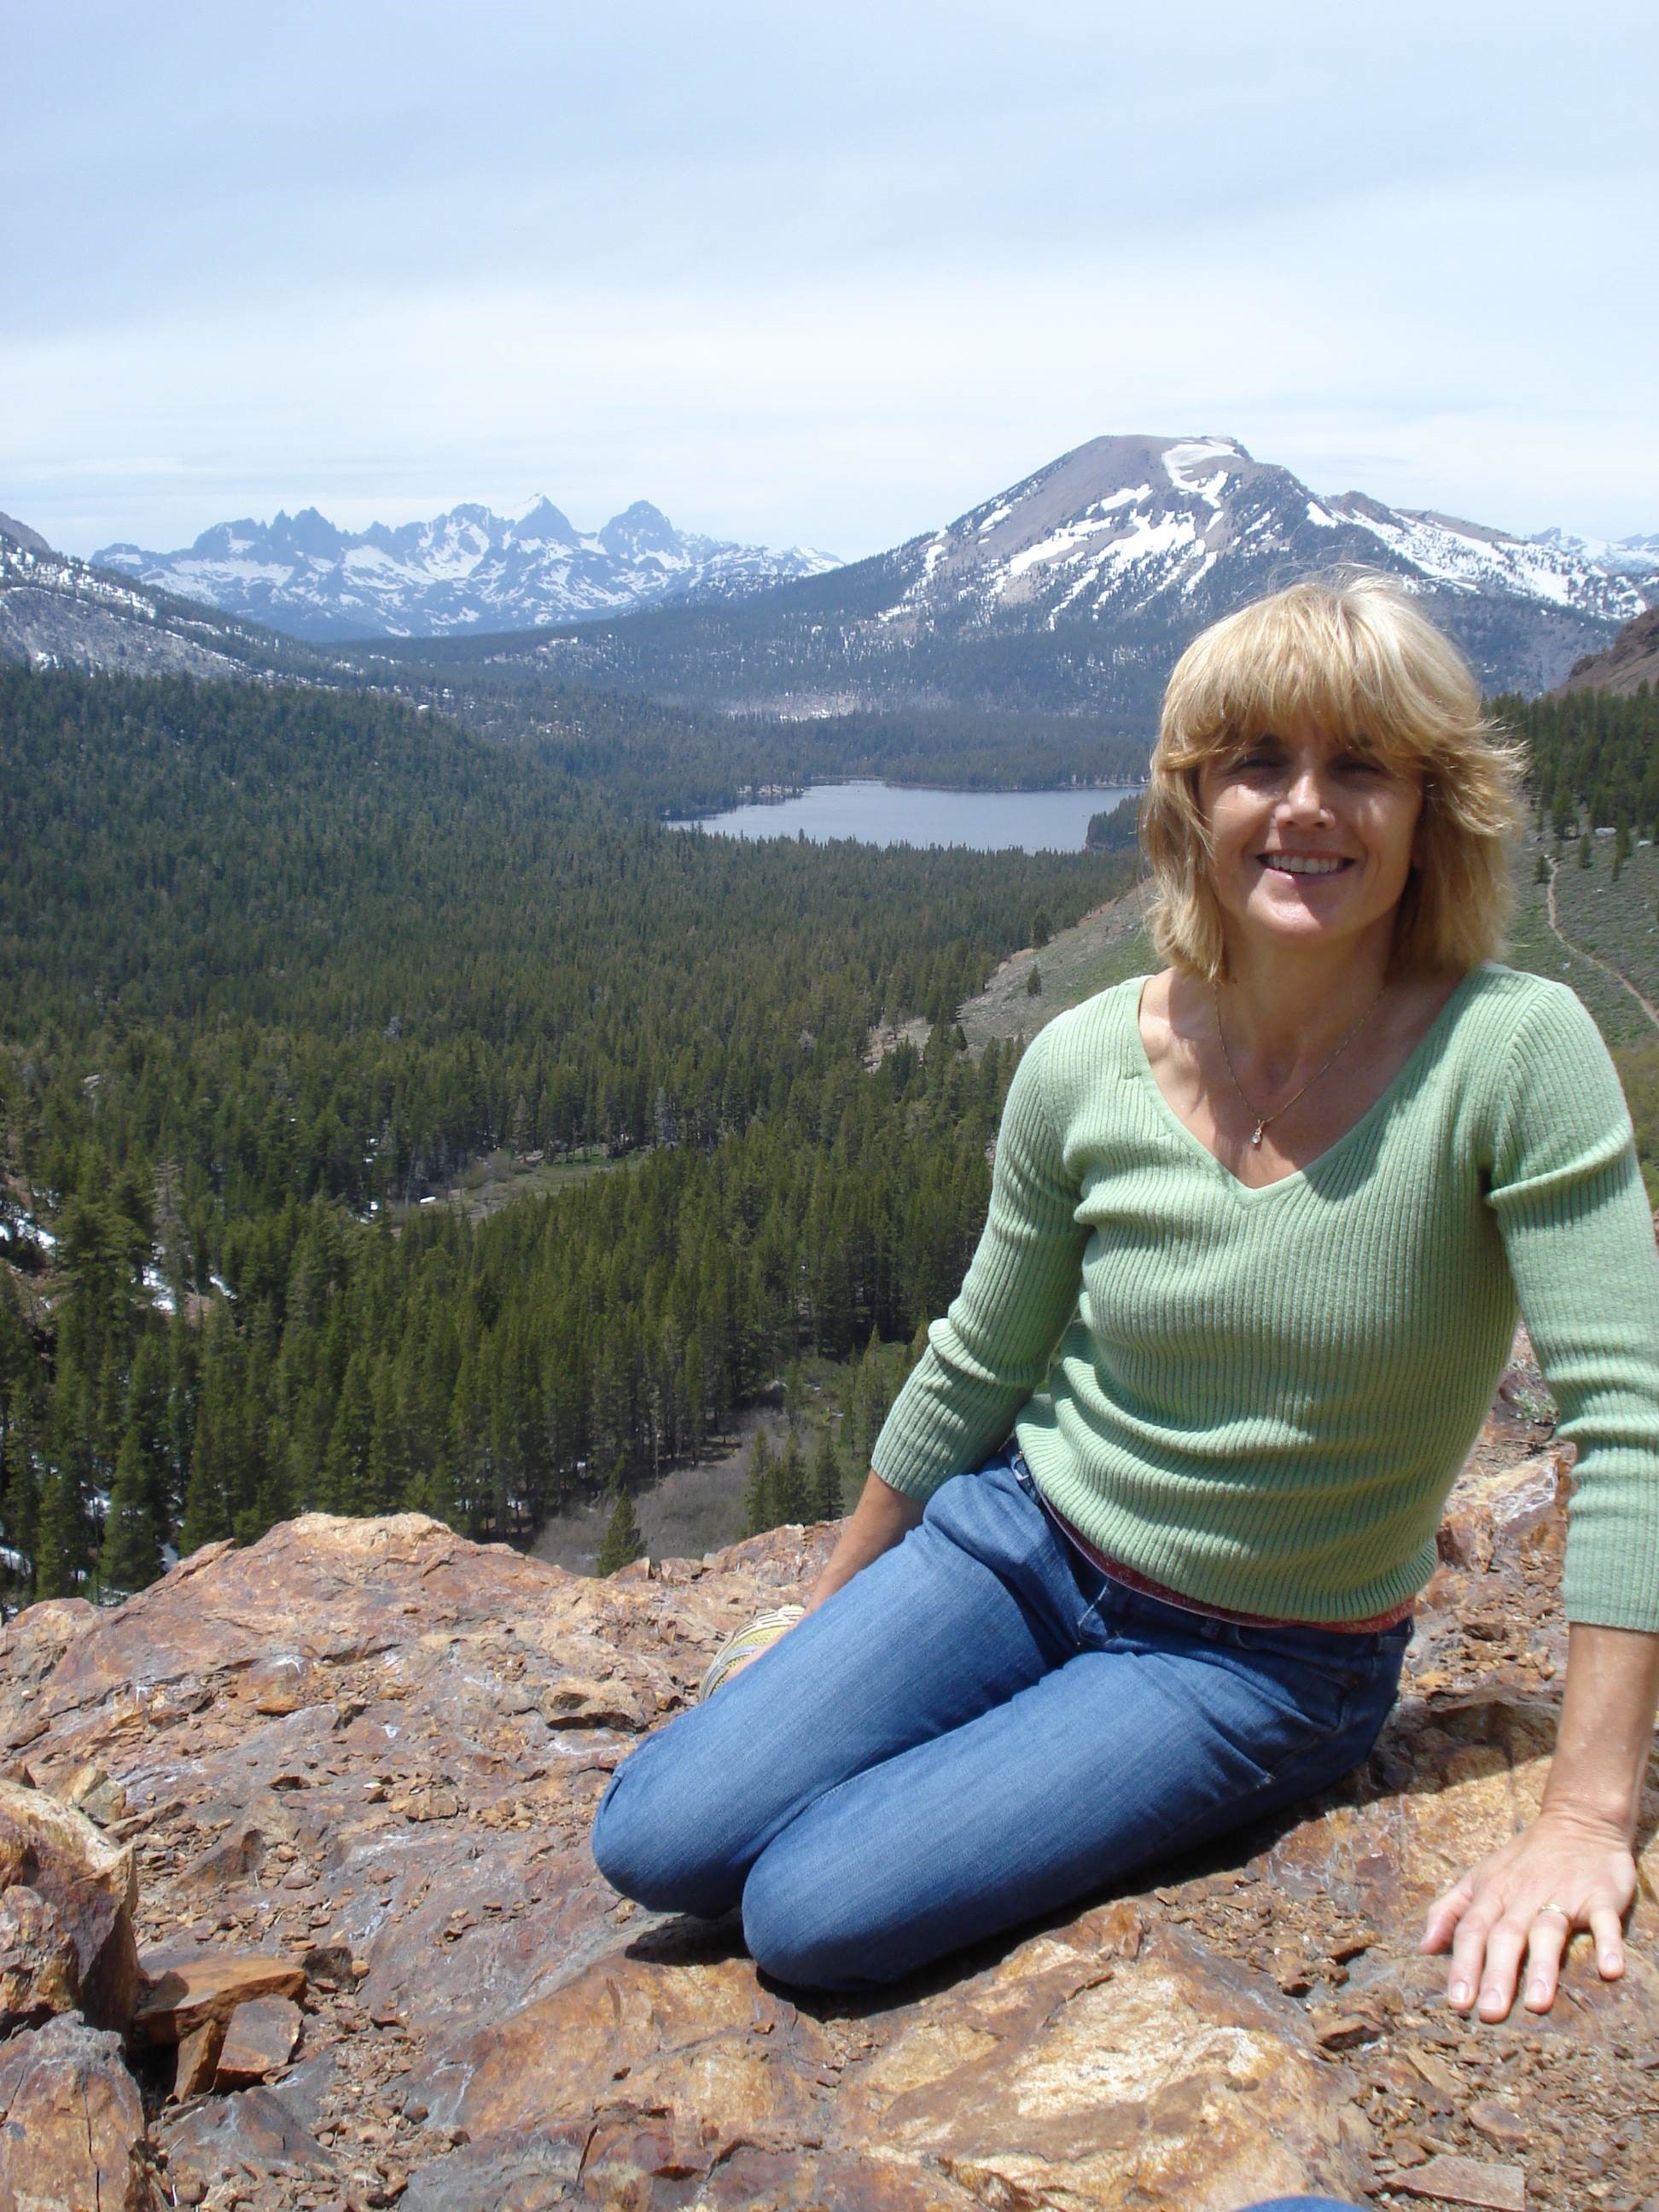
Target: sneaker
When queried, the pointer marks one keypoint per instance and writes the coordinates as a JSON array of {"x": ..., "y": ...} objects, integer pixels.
[{"x": 748, "y": 1643}]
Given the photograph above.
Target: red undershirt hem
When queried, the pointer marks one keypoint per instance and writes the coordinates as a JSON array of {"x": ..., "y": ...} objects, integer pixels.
[{"x": 1373, "y": 1626}]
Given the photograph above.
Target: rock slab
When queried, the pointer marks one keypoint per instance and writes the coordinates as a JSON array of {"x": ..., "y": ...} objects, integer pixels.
[
  {"x": 72, "y": 2123},
  {"x": 39, "y": 1970},
  {"x": 91, "y": 1887}
]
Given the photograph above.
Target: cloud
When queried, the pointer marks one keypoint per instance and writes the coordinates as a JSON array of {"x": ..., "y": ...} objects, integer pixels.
[{"x": 831, "y": 278}]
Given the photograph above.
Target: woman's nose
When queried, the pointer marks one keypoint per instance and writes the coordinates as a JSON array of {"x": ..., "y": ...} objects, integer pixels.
[{"x": 1304, "y": 793}]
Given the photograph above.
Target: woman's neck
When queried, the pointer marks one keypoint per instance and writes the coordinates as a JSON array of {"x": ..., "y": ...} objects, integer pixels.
[{"x": 1286, "y": 1011}]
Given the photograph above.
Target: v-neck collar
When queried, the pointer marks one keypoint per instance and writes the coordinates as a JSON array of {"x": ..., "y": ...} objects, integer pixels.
[{"x": 1143, "y": 1072}]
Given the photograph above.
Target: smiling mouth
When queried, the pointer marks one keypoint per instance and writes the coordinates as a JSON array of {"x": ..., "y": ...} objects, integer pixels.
[{"x": 1302, "y": 864}]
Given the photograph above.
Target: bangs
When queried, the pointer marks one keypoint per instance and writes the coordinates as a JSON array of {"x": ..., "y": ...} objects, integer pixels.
[{"x": 1309, "y": 661}]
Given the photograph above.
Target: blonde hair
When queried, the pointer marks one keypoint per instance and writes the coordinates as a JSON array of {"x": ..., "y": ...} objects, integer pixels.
[{"x": 1356, "y": 657}]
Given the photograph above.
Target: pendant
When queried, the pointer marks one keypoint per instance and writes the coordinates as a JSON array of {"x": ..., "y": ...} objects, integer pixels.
[{"x": 1255, "y": 1134}]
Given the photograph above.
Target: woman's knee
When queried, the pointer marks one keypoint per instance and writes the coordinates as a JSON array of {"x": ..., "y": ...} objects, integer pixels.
[
  {"x": 796, "y": 1948},
  {"x": 804, "y": 1927},
  {"x": 648, "y": 1843}
]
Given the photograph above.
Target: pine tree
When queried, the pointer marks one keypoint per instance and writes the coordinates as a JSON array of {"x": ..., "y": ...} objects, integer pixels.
[
  {"x": 351, "y": 1440},
  {"x": 1034, "y": 983},
  {"x": 1042, "y": 928},
  {"x": 131, "y": 1555},
  {"x": 60, "y": 1538},
  {"x": 207, "y": 1511},
  {"x": 790, "y": 1502},
  {"x": 696, "y": 1412},
  {"x": 794, "y": 1393},
  {"x": 20, "y": 1499},
  {"x": 1586, "y": 850},
  {"x": 518, "y": 1127},
  {"x": 759, "y": 1502},
  {"x": 623, "y": 1539},
  {"x": 826, "y": 1500}
]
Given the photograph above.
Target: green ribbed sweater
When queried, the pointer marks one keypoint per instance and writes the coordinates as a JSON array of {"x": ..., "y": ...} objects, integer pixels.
[{"x": 1259, "y": 1398}]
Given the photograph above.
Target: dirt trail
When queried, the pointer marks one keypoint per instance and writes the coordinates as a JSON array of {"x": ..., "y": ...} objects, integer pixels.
[{"x": 1605, "y": 966}]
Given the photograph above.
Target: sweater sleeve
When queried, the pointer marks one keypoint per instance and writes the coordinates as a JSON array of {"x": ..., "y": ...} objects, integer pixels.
[
  {"x": 992, "y": 1348},
  {"x": 1579, "y": 1234}
]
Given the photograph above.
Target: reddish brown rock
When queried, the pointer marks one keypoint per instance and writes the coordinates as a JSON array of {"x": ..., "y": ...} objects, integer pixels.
[
  {"x": 91, "y": 1887},
  {"x": 72, "y": 2123},
  {"x": 1168, "y": 2079},
  {"x": 575, "y": 1703},
  {"x": 225, "y": 2140},
  {"x": 197, "y": 2067},
  {"x": 377, "y": 1748},
  {"x": 259, "y": 2042},
  {"x": 90, "y": 1790},
  {"x": 1467, "y": 2181},
  {"x": 33, "y": 1645},
  {"x": 178, "y": 1999},
  {"x": 629, "y": 2021},
  {"x": 39, "y": 1973}
]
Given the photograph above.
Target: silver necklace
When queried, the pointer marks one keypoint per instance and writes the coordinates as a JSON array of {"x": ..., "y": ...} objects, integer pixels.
[{"x": 1264, "y": 1122}]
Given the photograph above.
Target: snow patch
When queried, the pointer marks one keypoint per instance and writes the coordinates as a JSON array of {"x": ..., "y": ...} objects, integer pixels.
[{"x": 1197, "y": 453}]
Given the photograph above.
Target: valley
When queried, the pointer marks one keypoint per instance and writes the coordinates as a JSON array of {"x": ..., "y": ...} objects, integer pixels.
[{"x": 339, "y": 992}]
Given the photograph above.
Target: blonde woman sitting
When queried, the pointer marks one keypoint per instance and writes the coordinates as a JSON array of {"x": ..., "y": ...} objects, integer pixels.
[{"x": 1136, "y": 1559}]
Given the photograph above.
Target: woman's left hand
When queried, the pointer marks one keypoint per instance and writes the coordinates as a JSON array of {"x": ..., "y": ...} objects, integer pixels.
[{"x": 1565, "y": 1873}]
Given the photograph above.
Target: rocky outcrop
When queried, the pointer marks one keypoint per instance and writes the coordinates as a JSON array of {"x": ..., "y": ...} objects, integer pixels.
[{"x": 367, "y": 1753}]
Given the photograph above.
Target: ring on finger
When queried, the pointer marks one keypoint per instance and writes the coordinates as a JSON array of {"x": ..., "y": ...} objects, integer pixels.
[{"x": 1552, "y": 1908}]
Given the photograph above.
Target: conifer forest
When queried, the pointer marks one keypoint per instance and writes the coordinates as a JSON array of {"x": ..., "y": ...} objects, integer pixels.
[{"x": 278, "y": 963}]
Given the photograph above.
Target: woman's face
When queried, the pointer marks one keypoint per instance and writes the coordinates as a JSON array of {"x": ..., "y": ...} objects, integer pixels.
[{"x": 1314, "y": 839}]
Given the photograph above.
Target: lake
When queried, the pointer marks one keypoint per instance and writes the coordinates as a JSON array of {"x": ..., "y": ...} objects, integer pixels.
[{"x": 907, "y": 814}]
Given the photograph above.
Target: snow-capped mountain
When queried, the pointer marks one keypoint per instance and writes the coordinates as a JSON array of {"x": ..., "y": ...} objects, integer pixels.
[
  {"x": 1076, "y": 589},
  {"x": 1123, "y": 526},
  {"x": 1627, "y": 556},
  {"x": 467, "y": 570}
]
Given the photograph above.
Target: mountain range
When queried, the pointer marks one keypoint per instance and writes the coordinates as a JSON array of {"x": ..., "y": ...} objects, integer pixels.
[
  {"x": 1071, "y": 592},
  {"x": 1076, "y": 588},
  {"x": 467, "y": 569}
]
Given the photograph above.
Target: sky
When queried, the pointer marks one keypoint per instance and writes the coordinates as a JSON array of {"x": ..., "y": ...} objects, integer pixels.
[{"x": 825, "y": 276}]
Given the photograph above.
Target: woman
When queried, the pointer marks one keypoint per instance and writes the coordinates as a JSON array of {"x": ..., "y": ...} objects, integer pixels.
[{"x": 1258, "y": 1231}]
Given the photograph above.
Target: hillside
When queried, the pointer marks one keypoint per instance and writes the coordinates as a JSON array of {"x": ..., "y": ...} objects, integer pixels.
[
  {"x": 1631, "y": 660},
  {"x": 57, "y": 611}
]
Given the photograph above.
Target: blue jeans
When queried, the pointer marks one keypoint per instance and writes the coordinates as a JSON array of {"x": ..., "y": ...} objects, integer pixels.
[{"x": 979, "y": 1727}]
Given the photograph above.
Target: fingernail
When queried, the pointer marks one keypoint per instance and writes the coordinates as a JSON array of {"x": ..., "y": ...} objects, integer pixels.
[
  {"x": 1459, "y": 1993},
  {"x": 1537, "y": 1994}
]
